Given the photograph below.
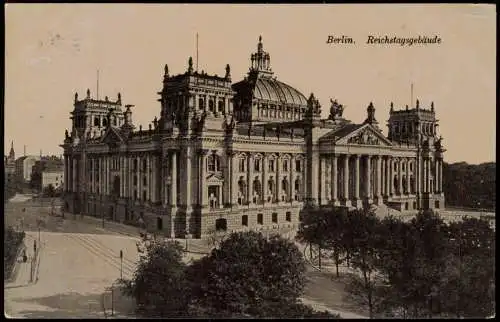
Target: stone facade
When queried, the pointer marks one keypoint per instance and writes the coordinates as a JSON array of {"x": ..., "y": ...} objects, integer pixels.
[{"x": 249, "y": 155}]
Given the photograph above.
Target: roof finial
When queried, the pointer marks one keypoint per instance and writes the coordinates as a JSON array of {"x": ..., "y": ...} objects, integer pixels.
[
  {"x": 119, "y": 98},
  {"x": 228, "y": 72},
  {"x": 432, "y": 106},
  {"x": 88, "y": 93},
  {"x": 418, "y": 103},
  {"x": 190, "y": 65}
]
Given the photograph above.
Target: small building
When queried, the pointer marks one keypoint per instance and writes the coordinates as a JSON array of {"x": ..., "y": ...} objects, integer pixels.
[{"x": 54, "y": 177}]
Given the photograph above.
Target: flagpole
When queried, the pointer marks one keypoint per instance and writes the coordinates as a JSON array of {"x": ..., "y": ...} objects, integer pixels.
[{"x": 98, "y": 84}]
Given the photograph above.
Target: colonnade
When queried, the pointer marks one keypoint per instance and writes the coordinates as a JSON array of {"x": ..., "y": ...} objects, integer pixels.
[
  {"x": 349, "y": 178},
  {"x": 252, "y": 178}
]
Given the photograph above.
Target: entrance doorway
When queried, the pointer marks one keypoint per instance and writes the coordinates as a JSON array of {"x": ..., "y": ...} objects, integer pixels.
[
  {"x": 221, "y": 224},
  {"x": 159, "y": 223}
]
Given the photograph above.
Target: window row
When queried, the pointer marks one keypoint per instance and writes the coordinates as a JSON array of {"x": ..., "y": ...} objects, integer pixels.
[
  {"x": 272, "y": 165},
  {"x": 260, "y": 218}
]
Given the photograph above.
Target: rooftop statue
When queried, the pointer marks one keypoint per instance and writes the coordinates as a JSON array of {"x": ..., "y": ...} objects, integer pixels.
[{"x": 336, "y": 109}]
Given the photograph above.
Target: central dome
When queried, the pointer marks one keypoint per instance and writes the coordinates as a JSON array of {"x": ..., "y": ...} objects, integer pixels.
[{"x": 267, "y": 88}]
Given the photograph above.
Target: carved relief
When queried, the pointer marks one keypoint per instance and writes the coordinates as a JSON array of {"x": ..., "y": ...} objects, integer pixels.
[{"x": 364, "y": 137}]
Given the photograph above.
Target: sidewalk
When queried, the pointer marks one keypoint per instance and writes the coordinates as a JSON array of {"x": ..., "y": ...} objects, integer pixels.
[{"x": 23, "y": 269}]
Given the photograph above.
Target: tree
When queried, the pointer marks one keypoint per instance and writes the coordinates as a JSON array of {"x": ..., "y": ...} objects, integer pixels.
[
  {"x": 364, "y": 225},
  {"x": 336, "y": 235},
  {"x": 214, "y": 237},
  {"x": 249, "y": 274},
  {"x": 314, "y": 229},
  {"x": 159, "y": 285},
  {"x": 49, "y": 191},
  {"x": 470, "y": 270}
]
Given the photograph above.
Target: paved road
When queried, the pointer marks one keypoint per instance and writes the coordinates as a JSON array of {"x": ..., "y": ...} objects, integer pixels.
[{"x": 80, "y": 259}]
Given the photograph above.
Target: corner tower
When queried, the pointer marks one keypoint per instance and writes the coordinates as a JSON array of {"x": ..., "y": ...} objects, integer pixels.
[{"x": 193, "y": 101}]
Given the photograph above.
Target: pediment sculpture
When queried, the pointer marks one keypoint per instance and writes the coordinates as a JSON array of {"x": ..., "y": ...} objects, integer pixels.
[{"x": 364, "y": 137}]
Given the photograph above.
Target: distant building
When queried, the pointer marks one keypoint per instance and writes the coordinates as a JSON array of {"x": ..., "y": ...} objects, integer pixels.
[
  {"x": 53, "y": 177},
  {"x": 10, "y": 173},
  {"x": 10, "y": 164},
  {"x": 24, "y": 166},
  {"x": 46, "y": 171}
]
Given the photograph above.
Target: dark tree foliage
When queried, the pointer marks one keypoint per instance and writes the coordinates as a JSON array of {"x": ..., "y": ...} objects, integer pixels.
[
  {"x": 12, "y": 241},
  {"x": 468, "y": 289},
  {"x": 363, "y": 236},
  {"x": 469, "y": 185},
  {"x": 159, "y": 285},
  {"x": 246, "y": 271}
]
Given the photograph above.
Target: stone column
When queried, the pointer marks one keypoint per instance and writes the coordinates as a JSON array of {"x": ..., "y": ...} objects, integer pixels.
[
  {"x": 356, "y": 177},
  {"x": 400, "y": 176},
  {"x": 408, "y": 183},
  {"x": 278, "y": 179},
  {"x": 249, "y": 178},
  {"x": 424, "y": 172},
  {"x": 74, "y": 175},
  {"x": 390, "y": 179},
  {"x": 148, "y": 176},
  {"x": 65, "y": 173},
  {"x": 202, "y": 185},
  {"x": 440, "y": 186},
  {"x": 321, "y": 180},
  {"x": 379, "y": 179},
  {"x": 291, "y": 191},
  {"x": 334, "y": 179},
  {"x": 265, "y": 177},
  {"x": 368, "y": 174},
  {"x": 346, "y": 178},
  {"x": 188, "y": 178},
  {"x": 173, "y": 178},
  {"x": 234, "y": 173},
  {"x": 436, "y": 176},
  {"x": 228, "y": 196}
]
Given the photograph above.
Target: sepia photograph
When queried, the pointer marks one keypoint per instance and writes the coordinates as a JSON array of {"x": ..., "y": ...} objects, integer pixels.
[{"x": 214, "y": 161}]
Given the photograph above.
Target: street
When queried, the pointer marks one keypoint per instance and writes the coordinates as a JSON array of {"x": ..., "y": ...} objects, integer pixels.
[{"x": 79, "y": 260}]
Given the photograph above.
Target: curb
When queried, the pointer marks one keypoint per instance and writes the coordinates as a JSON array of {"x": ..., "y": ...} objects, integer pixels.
[{"x": 15, "y": 269}]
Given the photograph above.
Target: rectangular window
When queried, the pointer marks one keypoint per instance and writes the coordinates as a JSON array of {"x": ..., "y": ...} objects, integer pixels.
[
  {"x": 135, "y": 194},
  {"x": 257, "y": 165},
  {"x": 135, "y": 165},
  {"x": 285, "y": 165},
  {"x": 144, "y": 197},
  {"x": 275, "y": 217},
  {"x": 144, "y": 165},
  {"x": 436, "y": 204},
  {"x": 297, "y": 165},
  {"x": 414, "y": 205},
  {"x": 271, "y": 165},
  {"x": 244, "y": 220},
  {"x": 242, "y": 165},
  {"x": 135, "y": 180},
  {"x": 260, "y": 219},
  {"x": 288, "y": 216},
  {"x": 145, "y": 181}
]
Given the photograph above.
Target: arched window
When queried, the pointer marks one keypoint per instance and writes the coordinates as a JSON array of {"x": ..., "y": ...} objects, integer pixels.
[
  {"x": 114, "y": 120},
  {"x": 297, "y": 185},
  {"x": 104, "y": 122},
  {"x": 221, "y": 106},
  {"x": 201, "y": 103},
  {"x": 97, "y": 122},
  {"x": 256, "y": 187},
  {"x": 211, "y": 105},
  {"x": 213, "y": 163}
]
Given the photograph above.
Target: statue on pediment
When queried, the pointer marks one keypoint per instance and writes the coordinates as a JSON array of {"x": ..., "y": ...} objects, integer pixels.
[{"x": 336, "y": 110}]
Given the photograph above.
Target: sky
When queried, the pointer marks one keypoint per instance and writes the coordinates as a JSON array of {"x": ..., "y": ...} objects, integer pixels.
[{"x": 55, "y": 50}]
